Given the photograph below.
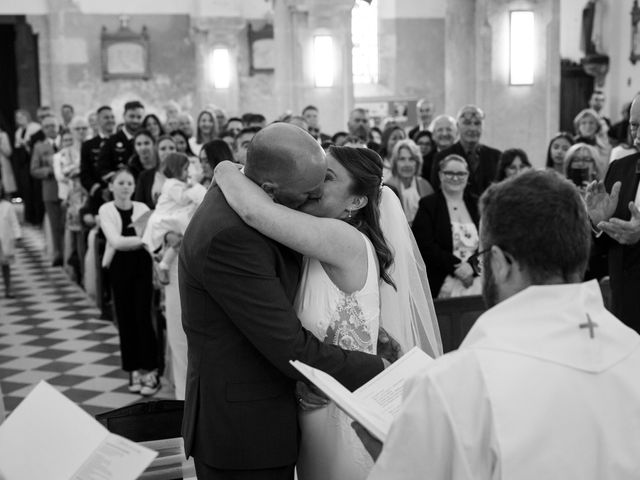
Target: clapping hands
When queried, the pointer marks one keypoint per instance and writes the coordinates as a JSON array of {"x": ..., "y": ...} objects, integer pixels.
[
  {"x": 600, "y": 204},
  {"x": 601, "y": 207},
  {"x": 624, "y": 232}
]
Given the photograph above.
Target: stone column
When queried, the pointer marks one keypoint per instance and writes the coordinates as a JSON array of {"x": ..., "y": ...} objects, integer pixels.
[
  {"x": 295, "y": 25},
  {"x": 460, "y": 55}
]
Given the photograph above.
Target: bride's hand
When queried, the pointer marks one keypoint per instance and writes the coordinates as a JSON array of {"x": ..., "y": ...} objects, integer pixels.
[{"x": 309, "y": 397}]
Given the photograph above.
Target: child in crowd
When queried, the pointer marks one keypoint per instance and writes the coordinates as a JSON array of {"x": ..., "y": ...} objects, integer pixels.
[
  {"x": 176, "y": 204},
  {"x": 9, "y": 232}
]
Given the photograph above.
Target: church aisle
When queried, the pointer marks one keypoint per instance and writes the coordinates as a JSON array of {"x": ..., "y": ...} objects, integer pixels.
[{"x": 51, "y": 332}]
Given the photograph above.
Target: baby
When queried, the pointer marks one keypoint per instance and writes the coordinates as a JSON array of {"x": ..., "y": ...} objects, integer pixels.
[{"x": 172, "y": 214}]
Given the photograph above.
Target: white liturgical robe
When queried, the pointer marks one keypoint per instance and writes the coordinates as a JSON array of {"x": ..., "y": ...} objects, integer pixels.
[{"x": 546, "y": 385}]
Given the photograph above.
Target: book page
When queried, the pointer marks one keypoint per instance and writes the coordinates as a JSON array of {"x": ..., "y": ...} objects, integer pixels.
[
  {"x": 375, "y": 404},
  {"x": 385, "y": 389},
  {"x": 49, "y": 436},
  {"x": 116, "y": 458}
]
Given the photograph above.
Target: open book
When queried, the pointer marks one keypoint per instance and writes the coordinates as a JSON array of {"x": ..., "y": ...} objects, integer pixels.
[
  {"x": 49, "y": 436},
  {"x": 375, "y": 404}
]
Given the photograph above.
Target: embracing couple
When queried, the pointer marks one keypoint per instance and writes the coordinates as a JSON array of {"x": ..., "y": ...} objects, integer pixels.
[{"x": 304, "y": 257}]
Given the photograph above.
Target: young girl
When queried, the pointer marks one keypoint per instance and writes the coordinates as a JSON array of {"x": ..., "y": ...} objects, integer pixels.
[
  {"x": 9, "y": 232},
  {"x": 174, "y": 209},
  {"x": 130, "y": 274}
]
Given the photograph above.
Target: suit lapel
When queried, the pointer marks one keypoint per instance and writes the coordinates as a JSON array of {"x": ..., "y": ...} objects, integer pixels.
[{"x": 628, "y": 189}]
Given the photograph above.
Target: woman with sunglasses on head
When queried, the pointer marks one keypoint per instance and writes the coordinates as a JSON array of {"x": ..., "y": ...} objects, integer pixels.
[{"x": 446, "y": 230}]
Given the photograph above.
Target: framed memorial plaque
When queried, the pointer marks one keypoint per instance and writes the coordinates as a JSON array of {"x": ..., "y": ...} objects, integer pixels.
[
  {"x": 125, "y": 54},
  {"x": 261, "y": 49}
]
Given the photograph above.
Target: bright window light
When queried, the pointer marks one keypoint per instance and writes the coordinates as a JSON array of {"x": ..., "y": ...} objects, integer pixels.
[
  {"x": 521, "y": 41},
  {"x": 220, "y": 68},
  {"x": 364, "y": 37},
  {"x": 323, "y": 59}
]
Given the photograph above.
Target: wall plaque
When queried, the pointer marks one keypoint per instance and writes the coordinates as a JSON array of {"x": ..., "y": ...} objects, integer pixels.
[{"x": 125, "y": 53}]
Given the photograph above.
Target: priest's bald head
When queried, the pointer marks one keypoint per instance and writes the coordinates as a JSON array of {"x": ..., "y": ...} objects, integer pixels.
[
  {"x": 288, "y": 163},
  {"x": 534, "y": 230}
]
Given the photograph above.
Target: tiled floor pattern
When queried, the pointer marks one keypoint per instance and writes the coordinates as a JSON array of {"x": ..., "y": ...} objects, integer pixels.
[{"x": 51, "y": 332}]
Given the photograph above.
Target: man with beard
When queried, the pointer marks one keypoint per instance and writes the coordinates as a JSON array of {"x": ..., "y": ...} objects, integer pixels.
[
  {"x": 117, "y": 150},
  {"x": 545, "y": 383},
  {"x": 358, "y": 124}
]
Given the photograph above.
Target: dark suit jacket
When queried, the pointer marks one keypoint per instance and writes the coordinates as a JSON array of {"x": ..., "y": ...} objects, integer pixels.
[
  {"x": 236, "y": 291},
  {"x": 479, "y": 179},
  {"x": 89, "y": 153},
  {"x": 115, "y": 152},
  {"x": 624, "y": 260},
  {"x": 144, "y": 184},
  {"x": 432, "y": 229},
  {"x": 42, "y": 169}
]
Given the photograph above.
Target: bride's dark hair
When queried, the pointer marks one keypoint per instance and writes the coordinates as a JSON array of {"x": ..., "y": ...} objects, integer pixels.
[{"x": 365, "y": 168}]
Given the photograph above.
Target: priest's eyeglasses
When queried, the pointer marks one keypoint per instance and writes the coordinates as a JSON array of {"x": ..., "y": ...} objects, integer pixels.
[{"x": 475, "y": 260}]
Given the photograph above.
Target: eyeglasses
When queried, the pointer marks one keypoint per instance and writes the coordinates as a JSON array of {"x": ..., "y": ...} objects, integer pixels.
[
  {"x": 475, "y": 260},
  {"x": 454, "y": 175}
]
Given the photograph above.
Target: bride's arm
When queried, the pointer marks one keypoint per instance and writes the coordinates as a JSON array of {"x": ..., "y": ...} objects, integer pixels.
[{"x": 331, "y": 241}]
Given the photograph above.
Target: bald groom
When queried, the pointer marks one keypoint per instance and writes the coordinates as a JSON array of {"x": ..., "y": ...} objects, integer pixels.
[{"x": 237, "y": 288}]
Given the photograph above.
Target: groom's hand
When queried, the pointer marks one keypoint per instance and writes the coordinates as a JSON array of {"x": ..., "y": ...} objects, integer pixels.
[
  {"x": 388, "y": 348},
  {"x": 371, "y": 444},
  {"x": 309, "y": 397}
]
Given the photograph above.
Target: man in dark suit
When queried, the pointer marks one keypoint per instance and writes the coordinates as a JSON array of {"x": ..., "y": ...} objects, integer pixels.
[
  {"x": 42, "y": 169},
  {"x": 482, "y": 159},
  {"x": 616, "y": 218},
  {"x": 236, "y": 290},
  {"x": 90, "y": 150},
  {"x": 424, "y": 110},
  {"x": 117, "y": 150}
]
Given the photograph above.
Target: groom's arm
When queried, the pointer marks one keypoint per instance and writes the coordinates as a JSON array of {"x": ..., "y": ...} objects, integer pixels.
[{"x": 240, "y": 275}]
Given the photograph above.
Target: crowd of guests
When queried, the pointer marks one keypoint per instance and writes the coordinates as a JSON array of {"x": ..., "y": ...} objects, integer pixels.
[{"x": 97, "y": 181}]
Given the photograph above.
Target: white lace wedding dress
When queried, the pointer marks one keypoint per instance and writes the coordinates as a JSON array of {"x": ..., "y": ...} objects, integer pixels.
[{"x": 329, "y": 448}]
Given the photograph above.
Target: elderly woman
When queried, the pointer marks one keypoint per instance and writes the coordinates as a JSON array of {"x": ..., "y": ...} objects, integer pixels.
[
  {"x": 405, "y": 181},
  {"x": 588, "y": 129},
  {"x": 581, "y": 165},
  {"x": 446, "y": 231}
]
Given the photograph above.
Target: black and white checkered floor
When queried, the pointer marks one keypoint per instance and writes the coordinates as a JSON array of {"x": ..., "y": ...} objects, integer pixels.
[{"x": 51, "y": 332}]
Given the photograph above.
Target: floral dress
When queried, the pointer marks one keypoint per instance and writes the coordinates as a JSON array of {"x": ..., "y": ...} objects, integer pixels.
[
  {"x": 329, "y": 448},
  {"x": 465, "y": 244}
]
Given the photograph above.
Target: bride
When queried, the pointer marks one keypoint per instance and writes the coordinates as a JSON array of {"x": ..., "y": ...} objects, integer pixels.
[{"x": 352, "y": 283}]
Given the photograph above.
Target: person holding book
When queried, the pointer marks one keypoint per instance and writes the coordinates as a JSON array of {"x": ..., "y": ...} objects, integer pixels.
[{"x": 545, "y": 385}]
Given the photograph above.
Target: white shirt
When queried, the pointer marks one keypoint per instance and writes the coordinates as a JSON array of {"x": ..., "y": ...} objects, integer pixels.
[{"x": 529, "y": 395}]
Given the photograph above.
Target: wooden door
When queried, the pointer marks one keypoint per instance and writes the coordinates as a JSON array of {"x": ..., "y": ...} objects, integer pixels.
[{"x": 576, "y": 87}]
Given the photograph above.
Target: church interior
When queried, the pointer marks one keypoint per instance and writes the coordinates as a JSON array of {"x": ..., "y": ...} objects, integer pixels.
[{"x": 529, "y": 68}]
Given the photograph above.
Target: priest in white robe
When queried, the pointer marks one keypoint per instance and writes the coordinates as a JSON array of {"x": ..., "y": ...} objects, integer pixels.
[{"x": 546, "y": 385}]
